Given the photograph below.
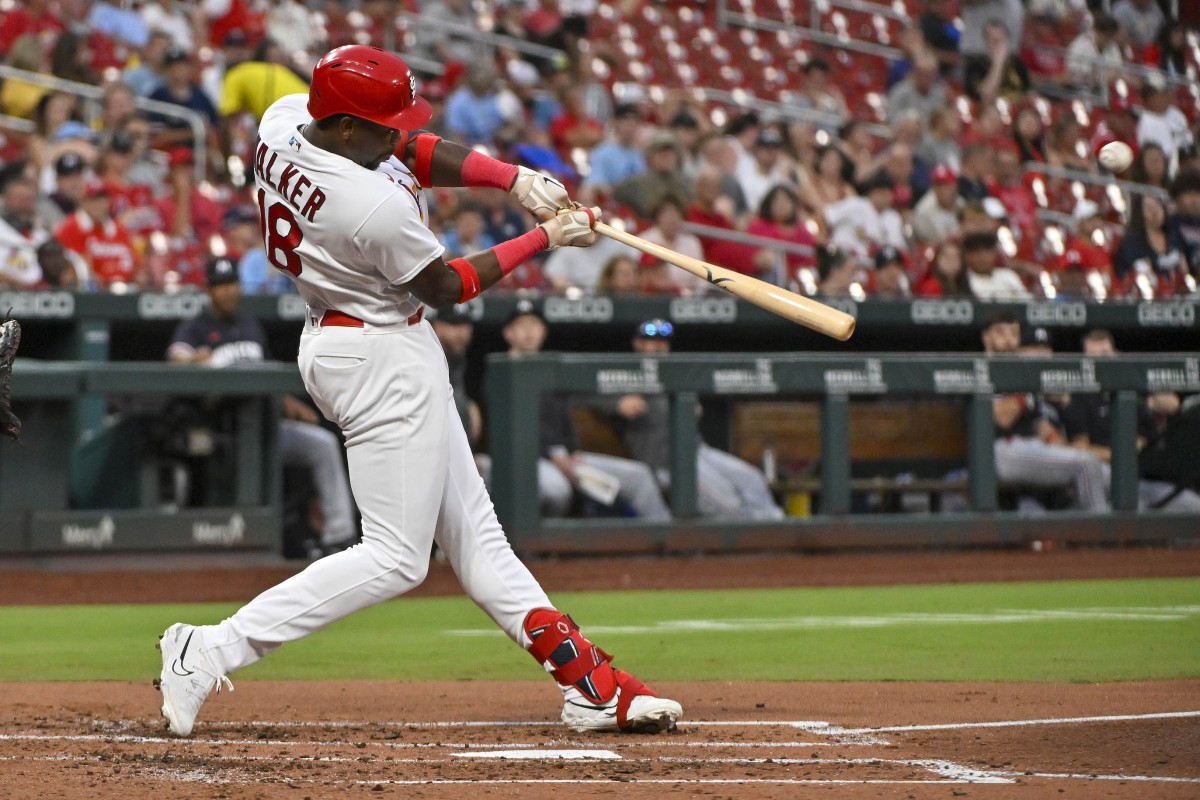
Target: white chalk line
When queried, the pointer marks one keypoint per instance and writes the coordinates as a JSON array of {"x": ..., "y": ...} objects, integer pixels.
[
  {"x": 957, "y": 772},
  {"x": 996, "y": 617},
  {"x": 949, "y": 726}
]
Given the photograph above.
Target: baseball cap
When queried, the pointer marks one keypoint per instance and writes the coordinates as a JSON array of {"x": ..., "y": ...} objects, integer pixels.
[
  {"x": 453, "y": 315},
  {"x": 238, "y": 215},
  {"x": 69, "y": 164},
  {"x": 180, "y": 156},
  {"x": 1034, "y": 336},
  {"x": 943, "y": 174},
  {"x": 684, "y": 119},
  {"x": 768, "y": 137},
  {"x": 73, "y": 129},
  {"x": 524, "y": 307},
  {"x": 220, "y": 270},
  {"x": 660, "y": 141},
  {"x": 654, "y": 328},
  {"x": 630, "y": 110},
  {"x": 888, "y": 255},
  {"x": 176, "y": 55},
  {"x": 121, "y": 142},
  {"x": 1155, "y": 82},
  {"x": 1085, "y": 209}
]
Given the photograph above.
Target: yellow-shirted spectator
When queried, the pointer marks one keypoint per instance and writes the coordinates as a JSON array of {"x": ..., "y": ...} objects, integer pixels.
[
  {"x": 252, "y": 86},
  {"x": 19, "y": 98}
]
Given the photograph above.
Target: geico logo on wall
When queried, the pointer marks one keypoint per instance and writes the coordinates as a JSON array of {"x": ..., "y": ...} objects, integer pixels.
[
  {"x": 943, "y": 312},
  {"x": 44, "y": 305},
  {"x": 1166, "y": 315},
  {"x": 704, "y": 309},
  {"x": 579, "y": 309},
  {"x": 1070, "y": 314},
  {"x": 171, "y": 306}
]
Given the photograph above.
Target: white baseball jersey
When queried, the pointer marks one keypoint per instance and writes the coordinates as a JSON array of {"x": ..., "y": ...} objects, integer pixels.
[{"x": 370, "y": 226}]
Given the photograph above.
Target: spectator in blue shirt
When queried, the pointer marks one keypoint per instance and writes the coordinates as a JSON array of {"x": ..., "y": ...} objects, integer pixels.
[
  {"x": 478, "y": 112},
  {"x": 180, "y": 87},
  {"x": 617, "y": 157}
]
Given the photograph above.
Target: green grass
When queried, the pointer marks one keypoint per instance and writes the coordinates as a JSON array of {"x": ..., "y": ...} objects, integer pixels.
[{"x": 1103, "y": 631}]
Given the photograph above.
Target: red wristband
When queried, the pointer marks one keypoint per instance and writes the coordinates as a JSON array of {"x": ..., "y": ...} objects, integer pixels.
[
  {"x": 483, "y": 170},
  {"x": 423, "y": 163},
  {"x": 515, "y": 252},
  {"x": 468, "y": 276}
]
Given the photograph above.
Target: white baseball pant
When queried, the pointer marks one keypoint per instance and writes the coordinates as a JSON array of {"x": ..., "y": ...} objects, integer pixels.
[
  {"x": 1028, "y": 460},
  {"x": 415, "y": 482}
]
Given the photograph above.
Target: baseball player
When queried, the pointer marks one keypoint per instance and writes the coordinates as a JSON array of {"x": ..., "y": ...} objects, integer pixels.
[{"x": 339, "y": 176}]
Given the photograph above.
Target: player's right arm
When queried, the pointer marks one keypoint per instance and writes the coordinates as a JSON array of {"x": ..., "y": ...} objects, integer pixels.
[
  {"x": 439, "y": 162},
  {"x": 442, "y": 283}
]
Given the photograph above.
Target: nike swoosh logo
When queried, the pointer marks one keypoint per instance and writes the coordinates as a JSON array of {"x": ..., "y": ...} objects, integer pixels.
[{"x": 179, "y": 661}]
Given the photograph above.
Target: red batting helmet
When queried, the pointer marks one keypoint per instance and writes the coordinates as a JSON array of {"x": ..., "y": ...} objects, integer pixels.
[{"x": 367, "y": 82}]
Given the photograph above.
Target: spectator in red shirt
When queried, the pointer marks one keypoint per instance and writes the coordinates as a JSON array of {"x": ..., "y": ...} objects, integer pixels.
[
  {"x": 132, "y": 203},
  {"x": 188, "y": 213},
  {"x": 574, "y": 127},
  {"x": 29, "y": 16},
  {"x": 710, "y": 207},
  {"x": 1085, "y": 267},
  {"x": 104, "y": 243},
  {"x": 1011, "y": 189},
  {"x": 945, "y": 276},
  {"x": 779, "y": 217}
]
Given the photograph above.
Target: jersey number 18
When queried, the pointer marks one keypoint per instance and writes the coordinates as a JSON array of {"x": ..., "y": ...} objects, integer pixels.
[{"x": 281, "y": 245}]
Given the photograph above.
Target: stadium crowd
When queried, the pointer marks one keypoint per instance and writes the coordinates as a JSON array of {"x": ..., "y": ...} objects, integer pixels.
[{"x": 961, "y": 163}]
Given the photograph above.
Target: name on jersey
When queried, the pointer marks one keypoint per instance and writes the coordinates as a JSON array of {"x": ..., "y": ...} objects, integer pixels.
[{"x": 291, "y": 184}]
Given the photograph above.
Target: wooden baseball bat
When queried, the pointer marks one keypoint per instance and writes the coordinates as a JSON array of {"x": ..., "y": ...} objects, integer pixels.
[{"x": 789, "y": 305}]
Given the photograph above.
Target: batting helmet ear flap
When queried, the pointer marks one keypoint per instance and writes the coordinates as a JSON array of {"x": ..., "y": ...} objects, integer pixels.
[{"x": 369, "y": 83}]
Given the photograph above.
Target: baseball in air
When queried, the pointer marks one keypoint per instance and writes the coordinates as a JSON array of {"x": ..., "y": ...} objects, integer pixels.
[{"x": 1116, "y": 156}]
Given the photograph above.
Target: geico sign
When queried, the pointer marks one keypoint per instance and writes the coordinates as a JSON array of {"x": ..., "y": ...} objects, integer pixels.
[
  {"x": 583, "y": 309},
  {"x": 47, "y": 305},
  {"x": 1074, "y": 314},
  {"x": 704, "y": 309},
  {"x": 1166, "y": 315},
  {"x": 171, "y": 306},
  {"x": 943, "y": 312}
]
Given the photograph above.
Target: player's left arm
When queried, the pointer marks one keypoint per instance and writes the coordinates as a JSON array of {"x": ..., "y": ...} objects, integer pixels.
[{"x": 438, "y": 162}]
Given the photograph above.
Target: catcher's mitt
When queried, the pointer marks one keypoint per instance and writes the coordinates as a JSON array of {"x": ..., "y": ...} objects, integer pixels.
[{"x": 10, "y": 339}]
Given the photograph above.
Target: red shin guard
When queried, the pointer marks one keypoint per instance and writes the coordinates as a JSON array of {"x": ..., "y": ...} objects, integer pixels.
[{"x": 576, "y": 661}]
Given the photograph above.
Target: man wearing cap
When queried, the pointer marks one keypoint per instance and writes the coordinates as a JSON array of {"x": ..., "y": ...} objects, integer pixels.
[
  {"x": 936, "y": 214},
  {"x": 617, "y": 157},
  {"x": 69, "y": 175},
  {"x": 663, "y": 177},
  {"x": 455, "y": 329},
  {"x": 105, "y": 244},
  {"x": 181, "y": 87},
  {"x": 189, "y": 213},
  {"x": 765, "y": 167},
  {"x": 890, "y": 278},
  {"x": 726, "y": 486},
  {"x": 221, "y": 336},
  {"x": 563, "y": 466}
]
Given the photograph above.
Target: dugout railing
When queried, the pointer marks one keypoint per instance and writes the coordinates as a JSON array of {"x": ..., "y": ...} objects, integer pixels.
[{"x": 515, "y": 385}]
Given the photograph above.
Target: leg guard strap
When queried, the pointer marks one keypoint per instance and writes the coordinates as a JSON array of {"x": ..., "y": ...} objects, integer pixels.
[{"x": 576, "y": 661}]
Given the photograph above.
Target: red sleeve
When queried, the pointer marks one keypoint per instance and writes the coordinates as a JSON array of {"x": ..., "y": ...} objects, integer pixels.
[{"x": 71, "y": 236}]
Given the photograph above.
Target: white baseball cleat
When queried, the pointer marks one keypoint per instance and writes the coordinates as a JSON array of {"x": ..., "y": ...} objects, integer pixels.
[
  {"x": 633, "y": 709},
  {"x": 188, "y": 676}
]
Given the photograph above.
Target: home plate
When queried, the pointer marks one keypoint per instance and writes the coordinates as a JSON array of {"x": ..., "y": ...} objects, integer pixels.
[{"x": 538, "y": 755}]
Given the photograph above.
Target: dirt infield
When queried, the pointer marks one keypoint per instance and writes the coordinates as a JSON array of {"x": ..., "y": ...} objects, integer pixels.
[{"x": 766, "y": 741}]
